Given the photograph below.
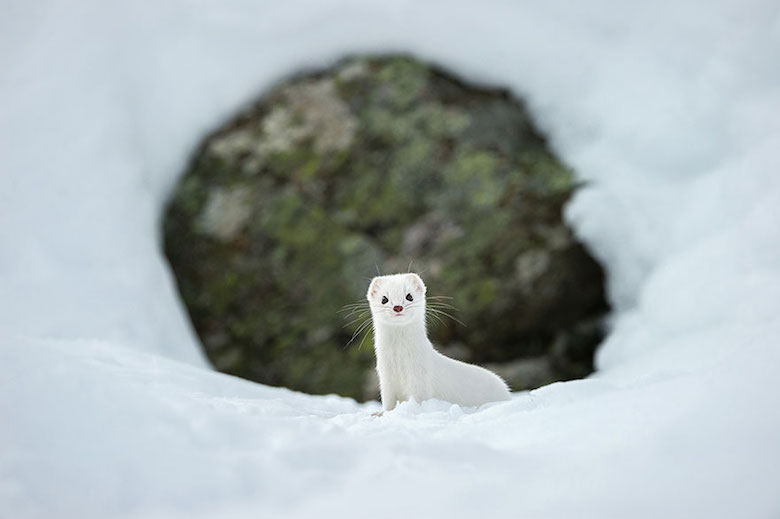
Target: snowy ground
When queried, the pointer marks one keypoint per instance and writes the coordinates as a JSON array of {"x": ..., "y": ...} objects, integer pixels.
[{"x": 669, "y": 111}]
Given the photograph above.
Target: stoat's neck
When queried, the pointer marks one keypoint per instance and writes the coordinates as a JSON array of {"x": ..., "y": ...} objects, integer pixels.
[{"x": 411, "y": 335}]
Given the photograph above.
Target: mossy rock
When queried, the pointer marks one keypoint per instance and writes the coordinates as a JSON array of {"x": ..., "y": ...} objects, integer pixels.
[{"x": 288, "y": 210}]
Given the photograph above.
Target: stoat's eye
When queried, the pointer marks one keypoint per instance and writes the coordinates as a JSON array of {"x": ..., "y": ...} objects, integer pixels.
[
  {"x": 384, "y": 300},
  {"x": 409, "y": 297}
]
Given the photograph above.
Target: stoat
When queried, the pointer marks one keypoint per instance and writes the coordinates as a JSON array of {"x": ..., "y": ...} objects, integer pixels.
[{"x": 408, "y": 365}]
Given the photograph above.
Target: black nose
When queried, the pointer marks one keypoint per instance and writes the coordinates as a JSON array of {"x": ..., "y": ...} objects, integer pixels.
[{"x": 398, "y": 308}]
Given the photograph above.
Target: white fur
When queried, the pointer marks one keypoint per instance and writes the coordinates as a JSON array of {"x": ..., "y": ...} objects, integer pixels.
[{"x": 408, "y": 365}]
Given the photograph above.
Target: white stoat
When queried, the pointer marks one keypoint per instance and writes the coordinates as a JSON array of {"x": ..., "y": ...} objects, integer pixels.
[{"x": 407, "y": 363}]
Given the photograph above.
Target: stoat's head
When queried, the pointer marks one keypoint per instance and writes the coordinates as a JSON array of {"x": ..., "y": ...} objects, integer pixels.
[{"x": 397, "y": 299}]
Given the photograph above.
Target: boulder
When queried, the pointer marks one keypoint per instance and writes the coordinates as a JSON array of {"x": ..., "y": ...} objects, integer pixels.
[{"x": 381, "y": 164}]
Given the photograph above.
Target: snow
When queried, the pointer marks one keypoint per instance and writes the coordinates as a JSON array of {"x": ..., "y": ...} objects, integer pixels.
[{"x": 668, "y": 110}]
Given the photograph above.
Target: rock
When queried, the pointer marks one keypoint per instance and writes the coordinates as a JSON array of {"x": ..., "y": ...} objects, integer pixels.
[
  {"x": 526, "y": 373},
  {"x": 288, "y": 209}
]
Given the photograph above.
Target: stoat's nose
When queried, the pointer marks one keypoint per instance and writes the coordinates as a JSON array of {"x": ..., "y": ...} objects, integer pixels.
[{"x": 398, "y": 308}]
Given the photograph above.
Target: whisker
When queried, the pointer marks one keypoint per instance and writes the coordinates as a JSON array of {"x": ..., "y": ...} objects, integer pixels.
[
  {"x": 365, "y": 331},
  {"x": 356, "y": 319},
  {"x": 441, "y": 312},
  {"x": 357, "y": 332},
  {"x": 354, "y": 305},
  {"x": 443, "y": 309},
  {"x": 441, "y": 305},
  {"x": 456, "y": 320},
  {"x": 356, "y": 311},
  {"x": 351, "y": 311},
  {"x": 363, "y": 327},
  {"x": 350, "y": 307},
  {"x": 437, "y": 318},
  {"x": 362, "y": 318},
  {"x": 364, "y": 338}
]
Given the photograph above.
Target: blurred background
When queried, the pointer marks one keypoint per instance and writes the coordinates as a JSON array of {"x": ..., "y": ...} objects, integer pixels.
[
  {"x": 381, "y": 164},
  {"x": 189, "y": 183}
]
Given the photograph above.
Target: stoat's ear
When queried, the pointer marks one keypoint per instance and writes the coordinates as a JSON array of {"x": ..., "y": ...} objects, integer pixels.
[
  {"x": 417, "y": 282},
  {"x": 373, "y": 288}
]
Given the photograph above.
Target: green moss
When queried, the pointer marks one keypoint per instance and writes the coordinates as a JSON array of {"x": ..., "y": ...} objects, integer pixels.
[
  {"x": 406, "y": 79},
  {"x": 441, "y": 121},
  {"x": 474, "y": 181}
]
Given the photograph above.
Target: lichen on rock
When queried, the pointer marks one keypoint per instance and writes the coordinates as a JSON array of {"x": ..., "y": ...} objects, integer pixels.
[
  {"x": 378, "y": 161},
  {"x": 313, "y": 111},
  {"x": 226, "y": 211}
]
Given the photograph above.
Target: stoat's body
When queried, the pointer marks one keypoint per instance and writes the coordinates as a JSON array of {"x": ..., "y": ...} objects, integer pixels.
[{"x": 408, "y": 365}]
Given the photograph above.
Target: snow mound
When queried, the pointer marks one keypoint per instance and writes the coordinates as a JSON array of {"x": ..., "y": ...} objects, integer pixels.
[{"x": 666, "y": 110}]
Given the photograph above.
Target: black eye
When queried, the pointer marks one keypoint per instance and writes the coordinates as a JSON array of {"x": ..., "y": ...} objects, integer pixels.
[
  {"x": 409, "y": 297},
  {"x": 384, "y": 300}
]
